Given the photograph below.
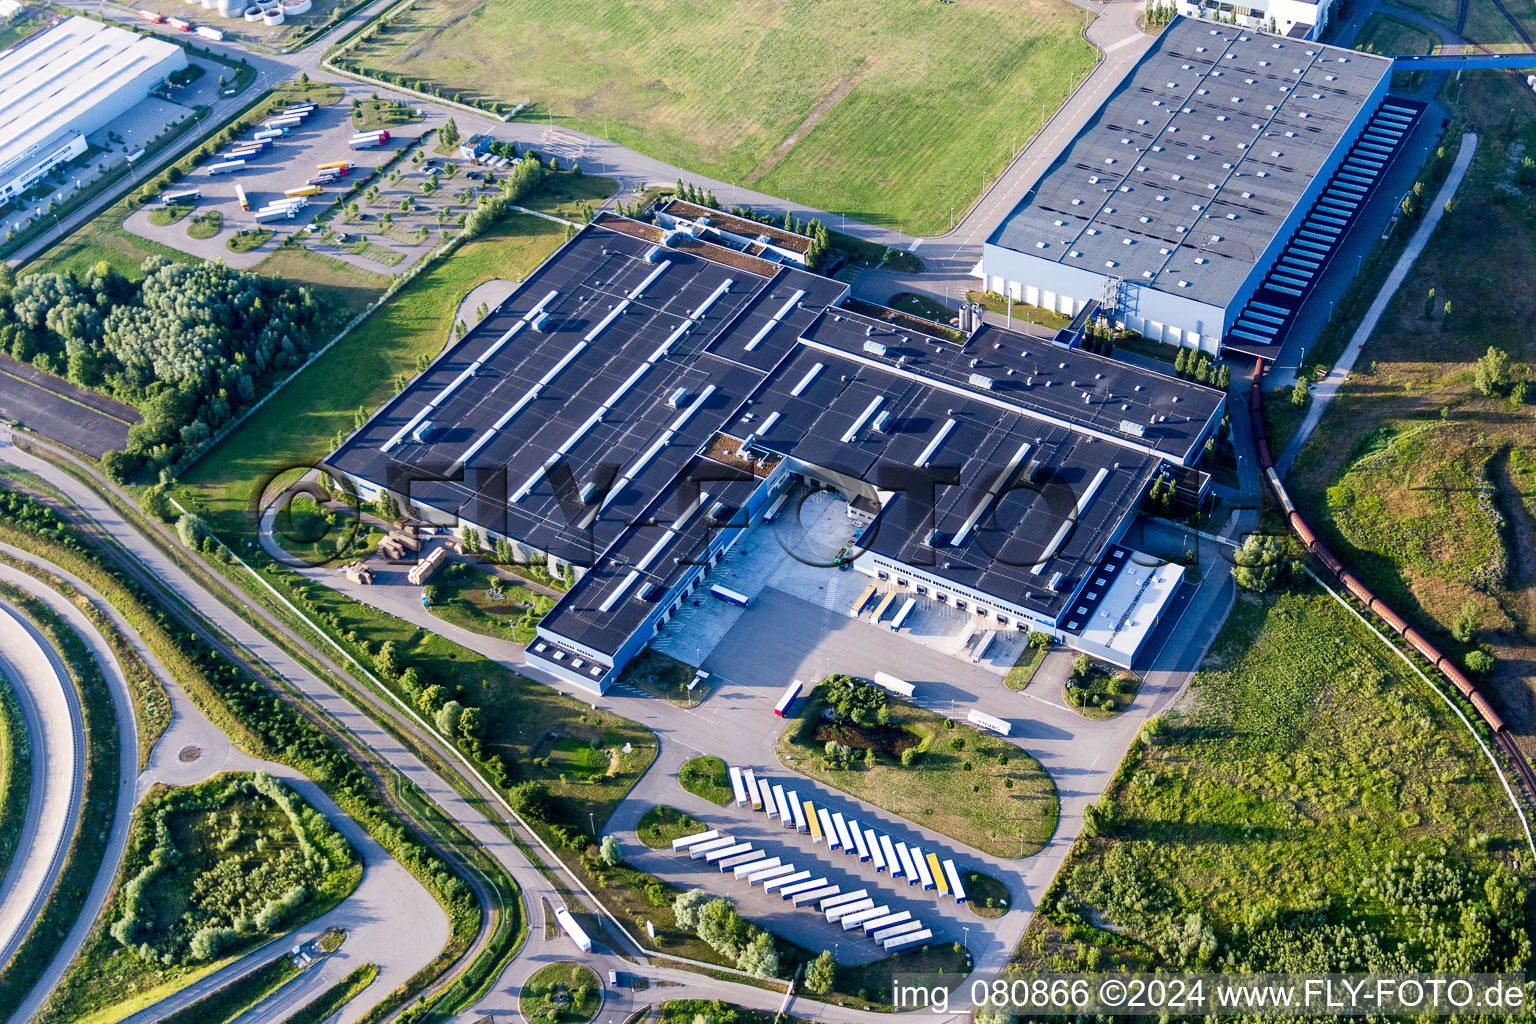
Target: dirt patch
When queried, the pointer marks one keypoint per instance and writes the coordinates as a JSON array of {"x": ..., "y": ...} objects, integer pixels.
[{"x": 818, "y": 112}]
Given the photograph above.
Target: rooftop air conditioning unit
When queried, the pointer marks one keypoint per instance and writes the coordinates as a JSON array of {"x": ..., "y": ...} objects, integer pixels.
[
  {"x": 1135, "y": 429},
  {"x": 675, "y": 400},
  {"x": 874, "y": 348},
  {"x": 981, "y": 380}
]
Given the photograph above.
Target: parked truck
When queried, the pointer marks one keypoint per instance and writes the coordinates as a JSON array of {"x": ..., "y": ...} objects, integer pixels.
[
  {"x": 245, "y": 203},
  {"x": 268, "y": 134},
  {"x": 158, "y": 19},
  {"x": 179, "y": 25},
  {"x": 263, "y": 216},
  {"x": 368, "y": 140},
  {"x": 190, "y": 195},
  {"x": 210, "y": 33},
  {"x": 306, "y": 190},
  {"x": 339, "y": 166},
  {"x": 226, "y": 166}
]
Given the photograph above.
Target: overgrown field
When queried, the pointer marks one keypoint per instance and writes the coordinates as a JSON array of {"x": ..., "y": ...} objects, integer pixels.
[
  {"x": 1421, "y": 476},
  {"x": 1307, "y": 805},
  {"x": 973, "y": 787},
  {"x": 209, "y": 869},
  {"x": 891, "y": 113}
]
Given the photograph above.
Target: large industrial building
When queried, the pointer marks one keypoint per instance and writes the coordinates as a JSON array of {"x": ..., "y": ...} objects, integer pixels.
[
  {"x": 61, "y": 84},
  {"x": 645, "y": 396},
  {"x": 1209, "y": 190}
]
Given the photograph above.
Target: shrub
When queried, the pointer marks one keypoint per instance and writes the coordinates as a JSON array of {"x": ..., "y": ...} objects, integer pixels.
[{"x": 910, "y": 757}]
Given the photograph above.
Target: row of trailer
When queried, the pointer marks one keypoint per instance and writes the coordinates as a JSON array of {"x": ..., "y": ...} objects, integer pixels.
[
  {"x": 804, "y": 888},
  {"x": 893, "y": 599},
  {"x": 846, "y": 834}
]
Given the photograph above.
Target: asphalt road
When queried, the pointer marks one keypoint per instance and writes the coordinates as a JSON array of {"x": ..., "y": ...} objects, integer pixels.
[
  {"x": 127, "y": 730},
  {"x": 364, "y": 727},
  {"x": 86, "y": 421},
  {"x": 388, "y": 903},
  {"x": 50, "y": 708}
]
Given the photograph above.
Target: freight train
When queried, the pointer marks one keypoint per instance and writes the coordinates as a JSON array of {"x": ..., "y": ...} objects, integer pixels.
[{"x": 1395, "y": 622}]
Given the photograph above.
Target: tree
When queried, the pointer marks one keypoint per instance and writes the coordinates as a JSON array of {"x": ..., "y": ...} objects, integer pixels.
[
  {"x": 387, "y": 662},
  {"x": 612, "y": 855},
  {"x": 759, "y": 958},
  {"x": 1465, "y": 626},
  {"x": 530, "y": 800},
  {"x": 1492, "y": 374},
  {"x": 471, "y": 537},
  {"x": 910, "y": 757},
  {"x": 1429, "y": 305},
  {"x": 821, "y": 973},
  {"x": 1479, "y": 662},
  {"x": 447, "y": 718},
  {"x": 1258, "y": 562},
  {"x": 687, "y": 908},
  {"x": 1181, "y": 361},
  {"x": 448, "y": 134},
  {"x": 191, "y": 530},
  {"x": 1300, "y": 396}
]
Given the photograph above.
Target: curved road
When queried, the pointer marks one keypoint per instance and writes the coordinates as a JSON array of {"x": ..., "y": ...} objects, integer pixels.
[
  {"x": 50, "y": 707},
  {"x": 387, "y": 903}
]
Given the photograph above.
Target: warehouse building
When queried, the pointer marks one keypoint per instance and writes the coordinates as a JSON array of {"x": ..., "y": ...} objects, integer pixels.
[
  {"x": 64, "y": 83},
  {"x": 1171, "y": 207},
  {"x": 644, "y": 396},
  {"x": 1298, "y": 19}
]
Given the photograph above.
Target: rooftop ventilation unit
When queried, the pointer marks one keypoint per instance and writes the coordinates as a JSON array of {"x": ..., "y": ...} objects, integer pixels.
[
  {"x": 424, "y": 431},
  {"x": 981, "y": 380},
  {"x": 1055, "y": 584},
  {"x": 543, "y": 322},
  {"x": 653, "y": 254},
  {"x": 882, "y": 421},
  {"x": 675, "y": 400},
  {"x": 874, "y": 348}
]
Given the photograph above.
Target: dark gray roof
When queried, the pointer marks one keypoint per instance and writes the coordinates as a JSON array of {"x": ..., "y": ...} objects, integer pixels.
[
  {"x": 576, "y": 416},
  {"x": 1184, "y": 176}
]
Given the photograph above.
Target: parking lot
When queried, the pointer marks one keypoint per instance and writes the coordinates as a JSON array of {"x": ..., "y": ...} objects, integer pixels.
[
  {"x": 55, "y": 408},
  {"x": 381, "y": 237},
  {"x": 111, "y": 146},
  {"x": 791, "y": 556}
]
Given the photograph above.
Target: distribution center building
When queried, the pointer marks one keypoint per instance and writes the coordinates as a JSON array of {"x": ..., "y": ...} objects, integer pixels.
[
  {"x": 64, "y": 83},
  {"x": 1176, "y": 199},
  {"x": 645, "y": 395}
]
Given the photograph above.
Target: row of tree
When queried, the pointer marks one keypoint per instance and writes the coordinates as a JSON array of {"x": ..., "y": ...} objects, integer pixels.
[
  {"x": 188, "y": 344},
  {"x": 1198, "y": 367}
]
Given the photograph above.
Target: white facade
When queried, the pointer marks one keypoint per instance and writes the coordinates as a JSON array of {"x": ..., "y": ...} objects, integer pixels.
[
  {"x": 62, "y": 84},
  {"x": 1279, "y": 16}
]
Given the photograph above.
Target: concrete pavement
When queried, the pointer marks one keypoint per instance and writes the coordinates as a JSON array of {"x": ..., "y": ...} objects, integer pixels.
[{"x": 50, "y": 710}]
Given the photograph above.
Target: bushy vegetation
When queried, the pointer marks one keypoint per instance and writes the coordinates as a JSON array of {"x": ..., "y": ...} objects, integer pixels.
[
  {"x": 715, "y": 920},
  {"x": 1097, "y": 691},
  {"x": 222, "y": 863},
  {"x": 243, "y": 706},
  {"x": 102, "y": 770},
  {"x": 561, "y": 993},
  {"x": 15, "y": 773},
  {"x": 1308, "y": 806},
  {"x": 189, "y": 344}
]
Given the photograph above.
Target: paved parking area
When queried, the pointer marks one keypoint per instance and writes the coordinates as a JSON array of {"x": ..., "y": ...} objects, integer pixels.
[
  {"x": 129, "y": 133},
  {"x": 83, "y": 420},
  {"x": 371, "y": 243}
]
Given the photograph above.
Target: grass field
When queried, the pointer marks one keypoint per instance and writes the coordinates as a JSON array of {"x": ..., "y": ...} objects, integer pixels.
[
  {"x": 891, "y": 113},
  {"x": 973, "y": 787},
  {"x": 1413, "y": 476},
  {"x": 1023, "y": 671},
  {"x": 1383, "y": 33},
  {"x": 477, "y": 599},
  {"x": 660, "y": 825},
  {"x": 298, "y": 430},
  {"x": 233, "y": 850},
  {"x": 1309, "y": 802},
  {"x": 707, "y": 777},
  {"x": 985, "y": 895}
]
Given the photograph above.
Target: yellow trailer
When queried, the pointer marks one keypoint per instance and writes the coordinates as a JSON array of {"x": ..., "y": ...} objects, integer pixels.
[
  {"x": 938, "y": 874},
  {"x": 858, "y": 606},
  {"x": 810, "y": 818}
]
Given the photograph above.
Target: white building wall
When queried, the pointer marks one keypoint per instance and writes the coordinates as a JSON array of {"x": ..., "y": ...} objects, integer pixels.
[{"x": 1286, "y": 14}]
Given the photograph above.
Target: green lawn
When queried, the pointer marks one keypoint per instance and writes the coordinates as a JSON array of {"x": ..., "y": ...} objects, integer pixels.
[
  {"x": 660, "y": 825},
  {"x": 231, "y": 853},
  {"x": 974, "y": 787},
  {"x": 568, "y": 195},
  {"x": 351, "y": 288},
  {"x": 327, "y": 1004},
  {"x": 1096, "y": 691},
  {"x": 1309, "y": 803},
  {"x": 1023, "y": 671},
  {"x": 707, "y": 777},
  {"x": 985, "y": 895},
  {"x": 374, "y": 113},
  {"x": 161, "y": 216},
  {"x": 299, "y": 428},
  {"x": 205, "y": 225},
  {"x": 891, "y": 113},
  {"x": 474, "y": 598},
  {"x": 561, "y": 993}
]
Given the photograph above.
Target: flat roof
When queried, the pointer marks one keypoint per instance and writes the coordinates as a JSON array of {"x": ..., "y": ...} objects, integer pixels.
[
  {"x": 1136, "y": 588},
  {"x": 1184, "y": 175},
  {"x": 50, "y": 79},
  {"x": 600, "y": 413}
]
